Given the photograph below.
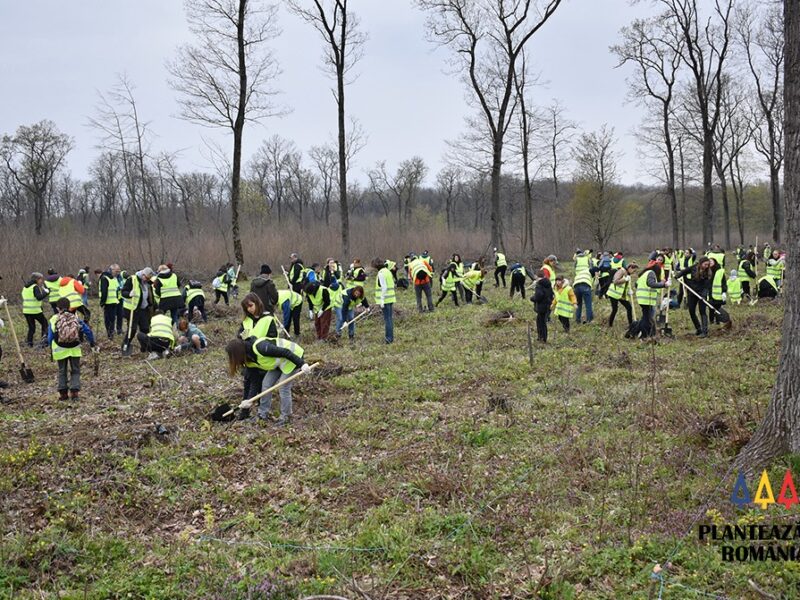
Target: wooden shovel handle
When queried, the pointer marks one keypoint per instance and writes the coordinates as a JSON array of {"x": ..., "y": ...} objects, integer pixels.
[
  {"x": 14, "y": 333},
  {"x": 356, "y": 318},
  {"x": 250, "y": 401}
]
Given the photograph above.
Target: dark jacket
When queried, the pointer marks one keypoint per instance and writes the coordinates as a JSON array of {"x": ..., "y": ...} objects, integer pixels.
[
  {"x": 296, "y": 272},
  {"x": 266, "y": 348},
  {"x": 542, "y": 296},
  {"x": 265, "y": 289},
  {"x": 127, "y": 289},
  {"x": 311, "y": 289},
  {"x": 347, "y": 300},
  {"x": 168, "y": 303},
  {"x": 701, "y": 286},
  {"x": 40, "y": 293}
]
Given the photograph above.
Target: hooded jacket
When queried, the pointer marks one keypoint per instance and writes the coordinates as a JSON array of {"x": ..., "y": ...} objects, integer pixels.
[
  {"x": 265, "y": 289},
  {"x": 542, "y": 296}
]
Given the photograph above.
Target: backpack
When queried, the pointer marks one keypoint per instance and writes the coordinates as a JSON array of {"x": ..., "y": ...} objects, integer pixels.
[
  {"x": 217, "y": 283},
  {"x": 67, "y": 328}
]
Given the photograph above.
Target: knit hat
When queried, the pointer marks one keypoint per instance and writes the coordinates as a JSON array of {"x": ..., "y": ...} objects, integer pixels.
[{"x": 265, "y": 270}]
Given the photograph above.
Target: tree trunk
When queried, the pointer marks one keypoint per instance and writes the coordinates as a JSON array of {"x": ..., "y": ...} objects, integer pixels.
[
  {"x": 497, "y": 163},
  {"x": 726, "y": 213},
  {"x": 673, "y": 200},
  {"x": 708, "y": 189},
  {"x": 343, "y": 206},
  {"x": 779, "y": 432},
  {"x": 238, "y": 131},
  {"x": 775, "y": 189},
  {"x": 683, "y": 195}
]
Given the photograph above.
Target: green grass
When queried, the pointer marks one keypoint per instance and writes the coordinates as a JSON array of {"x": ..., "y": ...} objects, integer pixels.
[{"x": 442, "y": 465}]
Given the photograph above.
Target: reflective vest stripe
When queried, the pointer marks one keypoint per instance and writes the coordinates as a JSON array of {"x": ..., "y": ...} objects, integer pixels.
[
  {"x": 192, "y": 293},
  {"x": 269, "y": 363},
  {"x": 582, "y": 273},
  {"x": 161, "y": 327},
  {"x": 716, "y": 285},
  {"x": 136, "y": 293},
  {"x": 112, "y": 295},
  {"x": 58, "y": 352},
  {"x": 169, "y": 287}
]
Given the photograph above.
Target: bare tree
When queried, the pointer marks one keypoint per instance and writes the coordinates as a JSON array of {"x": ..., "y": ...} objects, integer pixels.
[
  {"x": 225, "y": 79},
  {"x": 325, "y": 161},
  {"x": 654, "y": 48},
  {"x": 301, "y": 184},
  {"x": 706, "y": 45},
  {"x": 403, "y": 187},
  {"x": 597, "y": 204},
  {"x": 268, "y": 169},
  {"x": 487, "y": 38},
  {"x": 731, "y": 137},
  {"x": 555, "y": 140},
  {"x": 33, "y": 156},
  {"x": 779, "y": 432},
  {"x": 761, "y": 37},
  {"x": 344, "y": 45},
  {"x": 450, "y": 186}
]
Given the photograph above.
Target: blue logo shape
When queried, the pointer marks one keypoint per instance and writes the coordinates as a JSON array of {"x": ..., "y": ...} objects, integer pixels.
[{"x": 741, "y": 495}]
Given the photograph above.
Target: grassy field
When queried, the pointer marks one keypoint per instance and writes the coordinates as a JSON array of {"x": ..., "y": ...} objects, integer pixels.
[{"x": 444, "y": 466}]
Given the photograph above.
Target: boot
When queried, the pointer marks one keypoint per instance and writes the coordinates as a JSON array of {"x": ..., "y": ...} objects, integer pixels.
[
  {"x": 728, "y": 324},
  {"x": 704, "y": 326},
  {"x": 63, "y": 395},
  {"x": 74, "y": 395}
]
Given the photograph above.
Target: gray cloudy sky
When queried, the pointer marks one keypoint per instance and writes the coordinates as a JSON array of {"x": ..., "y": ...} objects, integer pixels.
[{"x": 56, "y": 54}]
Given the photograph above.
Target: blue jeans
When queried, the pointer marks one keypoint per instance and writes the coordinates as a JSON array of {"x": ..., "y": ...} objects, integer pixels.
[
  {"x": 388, "y": 322},
  {"x": 583, "y": 293},
  {"x": 341, "y": 317}
]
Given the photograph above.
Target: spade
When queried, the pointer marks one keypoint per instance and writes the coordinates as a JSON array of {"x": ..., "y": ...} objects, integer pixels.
[{"x": 24, "y": 371}]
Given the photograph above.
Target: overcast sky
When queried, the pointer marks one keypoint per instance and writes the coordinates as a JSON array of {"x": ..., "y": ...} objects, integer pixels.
[{"x": 56, "y": 55}]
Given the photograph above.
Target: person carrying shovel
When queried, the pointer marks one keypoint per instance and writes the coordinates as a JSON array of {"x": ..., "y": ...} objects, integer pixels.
[
  {"x": 275, "y": 361},
  {"x": 345, "y": 313}
]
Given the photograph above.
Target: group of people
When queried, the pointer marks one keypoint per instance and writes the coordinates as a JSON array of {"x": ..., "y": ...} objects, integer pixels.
[{"x": 162, "y": 311}]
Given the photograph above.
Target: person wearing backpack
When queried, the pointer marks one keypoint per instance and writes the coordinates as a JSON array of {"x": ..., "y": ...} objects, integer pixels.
[
  {"x": 542, "y": 299},
  {"x": 220, "y": 284},
  {"x": 65, "y": 334}
]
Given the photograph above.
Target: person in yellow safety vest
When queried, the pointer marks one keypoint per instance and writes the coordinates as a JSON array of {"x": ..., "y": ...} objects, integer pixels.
[
  {"x": 167, "y": 292},
  {"x": 291, "y": 305},
  {"x": 356, "y": 274},
  {"x": 65, "y": 334},
  {"x": 647, "y": 286},
  {"x": 472, "y": 282},
  {"x": 519, "y": 277},
  {"x": 111, "y": 300},
  {"x": 275, "y": 361},
  {"x": 564, "y": 301},
  {"x": 385, "y": 297},
  {"x": 345, "y": 305},
  {"x": 72, "y": 289},
  {"x": 257, "y": 322},
  {"x": 767, "y": 287},
  {"x": 195, "y": 299},
  {"x": 221, "y": 285},
  {"x": 33, "y": 294},
  {"x": 500, "y": 266},
  {"x": 719, "y": 295},
  {"x": 421, "y": 275},
  {"x": 52, "y": 281},
  {"x": 459, "y": 265},
  {"x": 668, "y": 259},
  {"x": 319, "y": 297},
  {"x": 137, "y": 301},
  {"x": 549, "y": 267},
  {"x": 449, "y": 279},
  {"x": 296, "y": 272},
  {"x": 747, "y": 274},
  {"x": 687, "y": 260},
  {"x": 735, "y": 287},
  {"x": 582, "y": 286},
  {"x": 619, "y": 292},
  {"x": 160, "y": 339},
  {"x": 775, "y": 267}
]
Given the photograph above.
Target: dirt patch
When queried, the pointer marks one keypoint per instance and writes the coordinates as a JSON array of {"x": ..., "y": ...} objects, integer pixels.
[{"x": 499, "y": 318}]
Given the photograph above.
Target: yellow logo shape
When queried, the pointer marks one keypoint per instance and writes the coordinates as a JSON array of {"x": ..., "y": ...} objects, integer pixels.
[{"x": 764, "y": 495}]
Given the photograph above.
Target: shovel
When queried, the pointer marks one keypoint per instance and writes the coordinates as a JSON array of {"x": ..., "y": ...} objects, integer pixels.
[
  {"x": 251, "y": 401},
  {"x": 667, "y": 330},
  {"x": 24, "y": 371},
  {"x": 634, "y": 327},
  {"x": 354, "y": 319},
  {"x": 699, "y": 297}
]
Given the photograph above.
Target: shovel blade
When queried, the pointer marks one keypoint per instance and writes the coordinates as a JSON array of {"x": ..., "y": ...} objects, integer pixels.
[{"x": 26, "y": 374}]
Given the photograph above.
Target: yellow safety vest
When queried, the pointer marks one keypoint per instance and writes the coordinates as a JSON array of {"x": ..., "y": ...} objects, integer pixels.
[
  {"x": 564, "y": 307},
  {"x": 131, "y": 303},
  {"x": 645, "y": 295},
  {"x": 30, "y": 305},
  {"x": 390, "y": 290},
  {"x": 269, "y": 363},
  {"x": 68, "y": 291},
  {"x": 161, "y": 327}
]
